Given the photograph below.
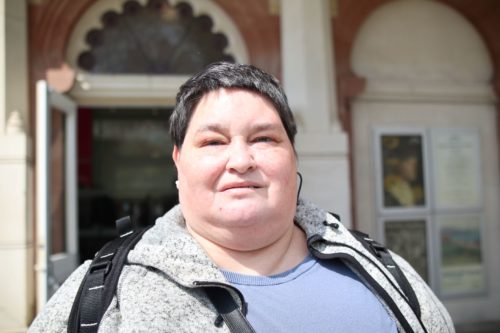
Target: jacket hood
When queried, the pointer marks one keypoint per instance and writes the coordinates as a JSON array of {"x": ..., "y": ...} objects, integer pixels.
[{"x": 169, "y": 248}]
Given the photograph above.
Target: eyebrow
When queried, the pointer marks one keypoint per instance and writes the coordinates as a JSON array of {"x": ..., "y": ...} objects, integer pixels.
[
  {"x": 210, "y": 128},
  {"x": 254, "y": 128}
]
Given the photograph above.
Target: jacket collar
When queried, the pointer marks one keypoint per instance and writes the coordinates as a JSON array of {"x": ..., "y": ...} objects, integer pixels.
[{"x": 169, "y": 247}]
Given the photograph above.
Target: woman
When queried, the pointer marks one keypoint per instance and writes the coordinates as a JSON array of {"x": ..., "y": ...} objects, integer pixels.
[{"x": 290, "y": 266}]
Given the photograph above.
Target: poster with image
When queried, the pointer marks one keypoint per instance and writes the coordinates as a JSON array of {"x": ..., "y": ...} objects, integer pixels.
[
  {"x": 462, "y": 268},
  {"x": 408, "y": 238},
  {"x": 402, "y": 171}
]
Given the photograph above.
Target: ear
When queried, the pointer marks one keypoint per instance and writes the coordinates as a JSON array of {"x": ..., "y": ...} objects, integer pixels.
[{"x": 175, "y": 154}]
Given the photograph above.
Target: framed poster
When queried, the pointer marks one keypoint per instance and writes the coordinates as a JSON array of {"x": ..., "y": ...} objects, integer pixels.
[
  {"x": 462, "y": 268},
  {"x": 400, "y": 171},
  {"x": 457, "y": 170},
  {"x": 408, "y": 238}
]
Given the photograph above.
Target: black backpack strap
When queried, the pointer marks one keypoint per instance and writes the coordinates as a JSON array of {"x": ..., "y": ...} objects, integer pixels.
[
  {"x": 99, "y": 284},
  {"x": 383, "y": 255},
  {"x": 228, "y": 309}
]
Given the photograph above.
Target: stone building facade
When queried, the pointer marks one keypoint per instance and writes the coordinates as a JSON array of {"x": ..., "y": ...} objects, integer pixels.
[{"x": 396, "y": 103}]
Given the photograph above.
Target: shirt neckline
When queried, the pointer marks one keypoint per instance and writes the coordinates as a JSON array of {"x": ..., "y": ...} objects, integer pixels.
[{"x": 269, "y": 280}]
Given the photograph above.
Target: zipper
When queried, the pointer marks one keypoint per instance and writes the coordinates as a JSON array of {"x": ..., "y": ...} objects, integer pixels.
[{"x": 368, "y": 278}]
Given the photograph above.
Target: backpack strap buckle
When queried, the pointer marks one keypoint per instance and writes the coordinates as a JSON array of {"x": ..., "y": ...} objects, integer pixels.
[{"x": 106, "y": 265}]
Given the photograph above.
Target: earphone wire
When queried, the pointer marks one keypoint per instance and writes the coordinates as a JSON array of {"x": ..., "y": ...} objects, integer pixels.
[{"x": 300, "y": 185}]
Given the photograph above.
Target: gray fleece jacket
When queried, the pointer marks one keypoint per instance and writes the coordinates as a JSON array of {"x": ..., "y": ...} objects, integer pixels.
[{"x": 159, "y": 289}]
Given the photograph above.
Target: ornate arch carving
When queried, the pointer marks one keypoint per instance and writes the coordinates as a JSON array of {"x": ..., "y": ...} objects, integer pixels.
[{"x": 91, "y": 20}]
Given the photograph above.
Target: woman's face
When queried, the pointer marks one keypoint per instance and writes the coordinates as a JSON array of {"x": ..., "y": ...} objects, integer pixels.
[
  {"x": 409, "y": 169},
  {"x": 237, "y": 171}
]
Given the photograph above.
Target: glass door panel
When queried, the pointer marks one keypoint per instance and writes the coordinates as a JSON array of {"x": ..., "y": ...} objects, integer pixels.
[{"x": 131, "y": 171}]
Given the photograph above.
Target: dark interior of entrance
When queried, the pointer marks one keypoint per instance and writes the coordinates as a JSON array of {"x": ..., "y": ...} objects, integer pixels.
[{"x": 124, "y": 168}]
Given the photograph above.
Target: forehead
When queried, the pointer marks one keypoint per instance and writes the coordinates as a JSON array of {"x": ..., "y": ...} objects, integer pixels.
[
  {"x": 234, "y": 103},
  {"x": 234, "y": 95}
]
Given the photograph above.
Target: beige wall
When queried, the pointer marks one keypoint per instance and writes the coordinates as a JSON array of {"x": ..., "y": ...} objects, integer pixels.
[{"x": 16, "y": 246}]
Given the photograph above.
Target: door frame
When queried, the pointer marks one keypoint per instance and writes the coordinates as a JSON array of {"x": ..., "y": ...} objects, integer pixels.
[{"x": 53, "y": 269}]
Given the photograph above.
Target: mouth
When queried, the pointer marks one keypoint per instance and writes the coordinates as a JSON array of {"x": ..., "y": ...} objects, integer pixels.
[{"x": 235, "y": 186}]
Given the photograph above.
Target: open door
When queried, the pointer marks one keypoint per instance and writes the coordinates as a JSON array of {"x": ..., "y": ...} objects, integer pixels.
[{"x": 56, "y": 186}]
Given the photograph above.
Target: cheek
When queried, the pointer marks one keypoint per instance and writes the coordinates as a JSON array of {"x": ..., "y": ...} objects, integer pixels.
[
  {"x": 281, "y": 169},
  {"x": 200, "y": 170}
]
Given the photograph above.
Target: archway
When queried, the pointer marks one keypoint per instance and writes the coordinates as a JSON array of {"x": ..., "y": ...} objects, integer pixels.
[
  {"x": 428, "y": 93},
  {"x": 130, "y": 58}
]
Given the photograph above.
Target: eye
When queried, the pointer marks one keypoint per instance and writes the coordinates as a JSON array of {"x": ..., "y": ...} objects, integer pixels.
[
  {"x": 263, "y": 139},
  {"x": 213, "y": 143}
]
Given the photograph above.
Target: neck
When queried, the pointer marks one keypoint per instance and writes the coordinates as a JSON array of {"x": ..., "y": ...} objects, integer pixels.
[{"x": 283, "y": 254}]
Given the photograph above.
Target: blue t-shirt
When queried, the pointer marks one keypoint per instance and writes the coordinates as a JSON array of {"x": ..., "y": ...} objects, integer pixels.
[{"x": 315, "y": 297}]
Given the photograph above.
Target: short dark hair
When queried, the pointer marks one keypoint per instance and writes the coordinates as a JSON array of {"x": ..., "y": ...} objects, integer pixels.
[{"x": 228, "y": 75}]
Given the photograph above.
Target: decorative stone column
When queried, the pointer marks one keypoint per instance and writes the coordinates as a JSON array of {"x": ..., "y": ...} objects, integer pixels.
[
  {"x": 16, "y": 249},
  {"x": 309, "y": 81}
]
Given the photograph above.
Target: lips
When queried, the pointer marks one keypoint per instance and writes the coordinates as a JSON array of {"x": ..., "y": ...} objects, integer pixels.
[{"x": 240, "y": 185}]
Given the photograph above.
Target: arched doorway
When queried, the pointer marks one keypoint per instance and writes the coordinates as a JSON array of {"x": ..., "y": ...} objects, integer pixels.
[
  {"x": 125, "y": 89},
  {"x": 131, "y": 57}
]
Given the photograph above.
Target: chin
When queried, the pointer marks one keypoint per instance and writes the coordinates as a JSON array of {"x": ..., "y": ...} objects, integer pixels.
[
  {"x": 242, "y": 205},
  {"x": 240, "y": 219},
  {"x": 241, "y": 214}
]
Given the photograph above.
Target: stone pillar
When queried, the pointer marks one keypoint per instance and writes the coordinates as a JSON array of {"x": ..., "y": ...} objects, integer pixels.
[
  {"x": 309, "y": 81},
  {"x": 16, "y": 249}
]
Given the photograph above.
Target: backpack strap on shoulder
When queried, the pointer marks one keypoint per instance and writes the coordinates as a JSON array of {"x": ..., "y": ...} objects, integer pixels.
[
  {"x": 384, "y": 256},
  {"x": 99, "y": 284},
  {"x": 228, "y": 310}
]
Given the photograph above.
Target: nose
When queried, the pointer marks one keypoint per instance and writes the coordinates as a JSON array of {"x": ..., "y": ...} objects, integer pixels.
[{"x": 240, "y": 157}]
